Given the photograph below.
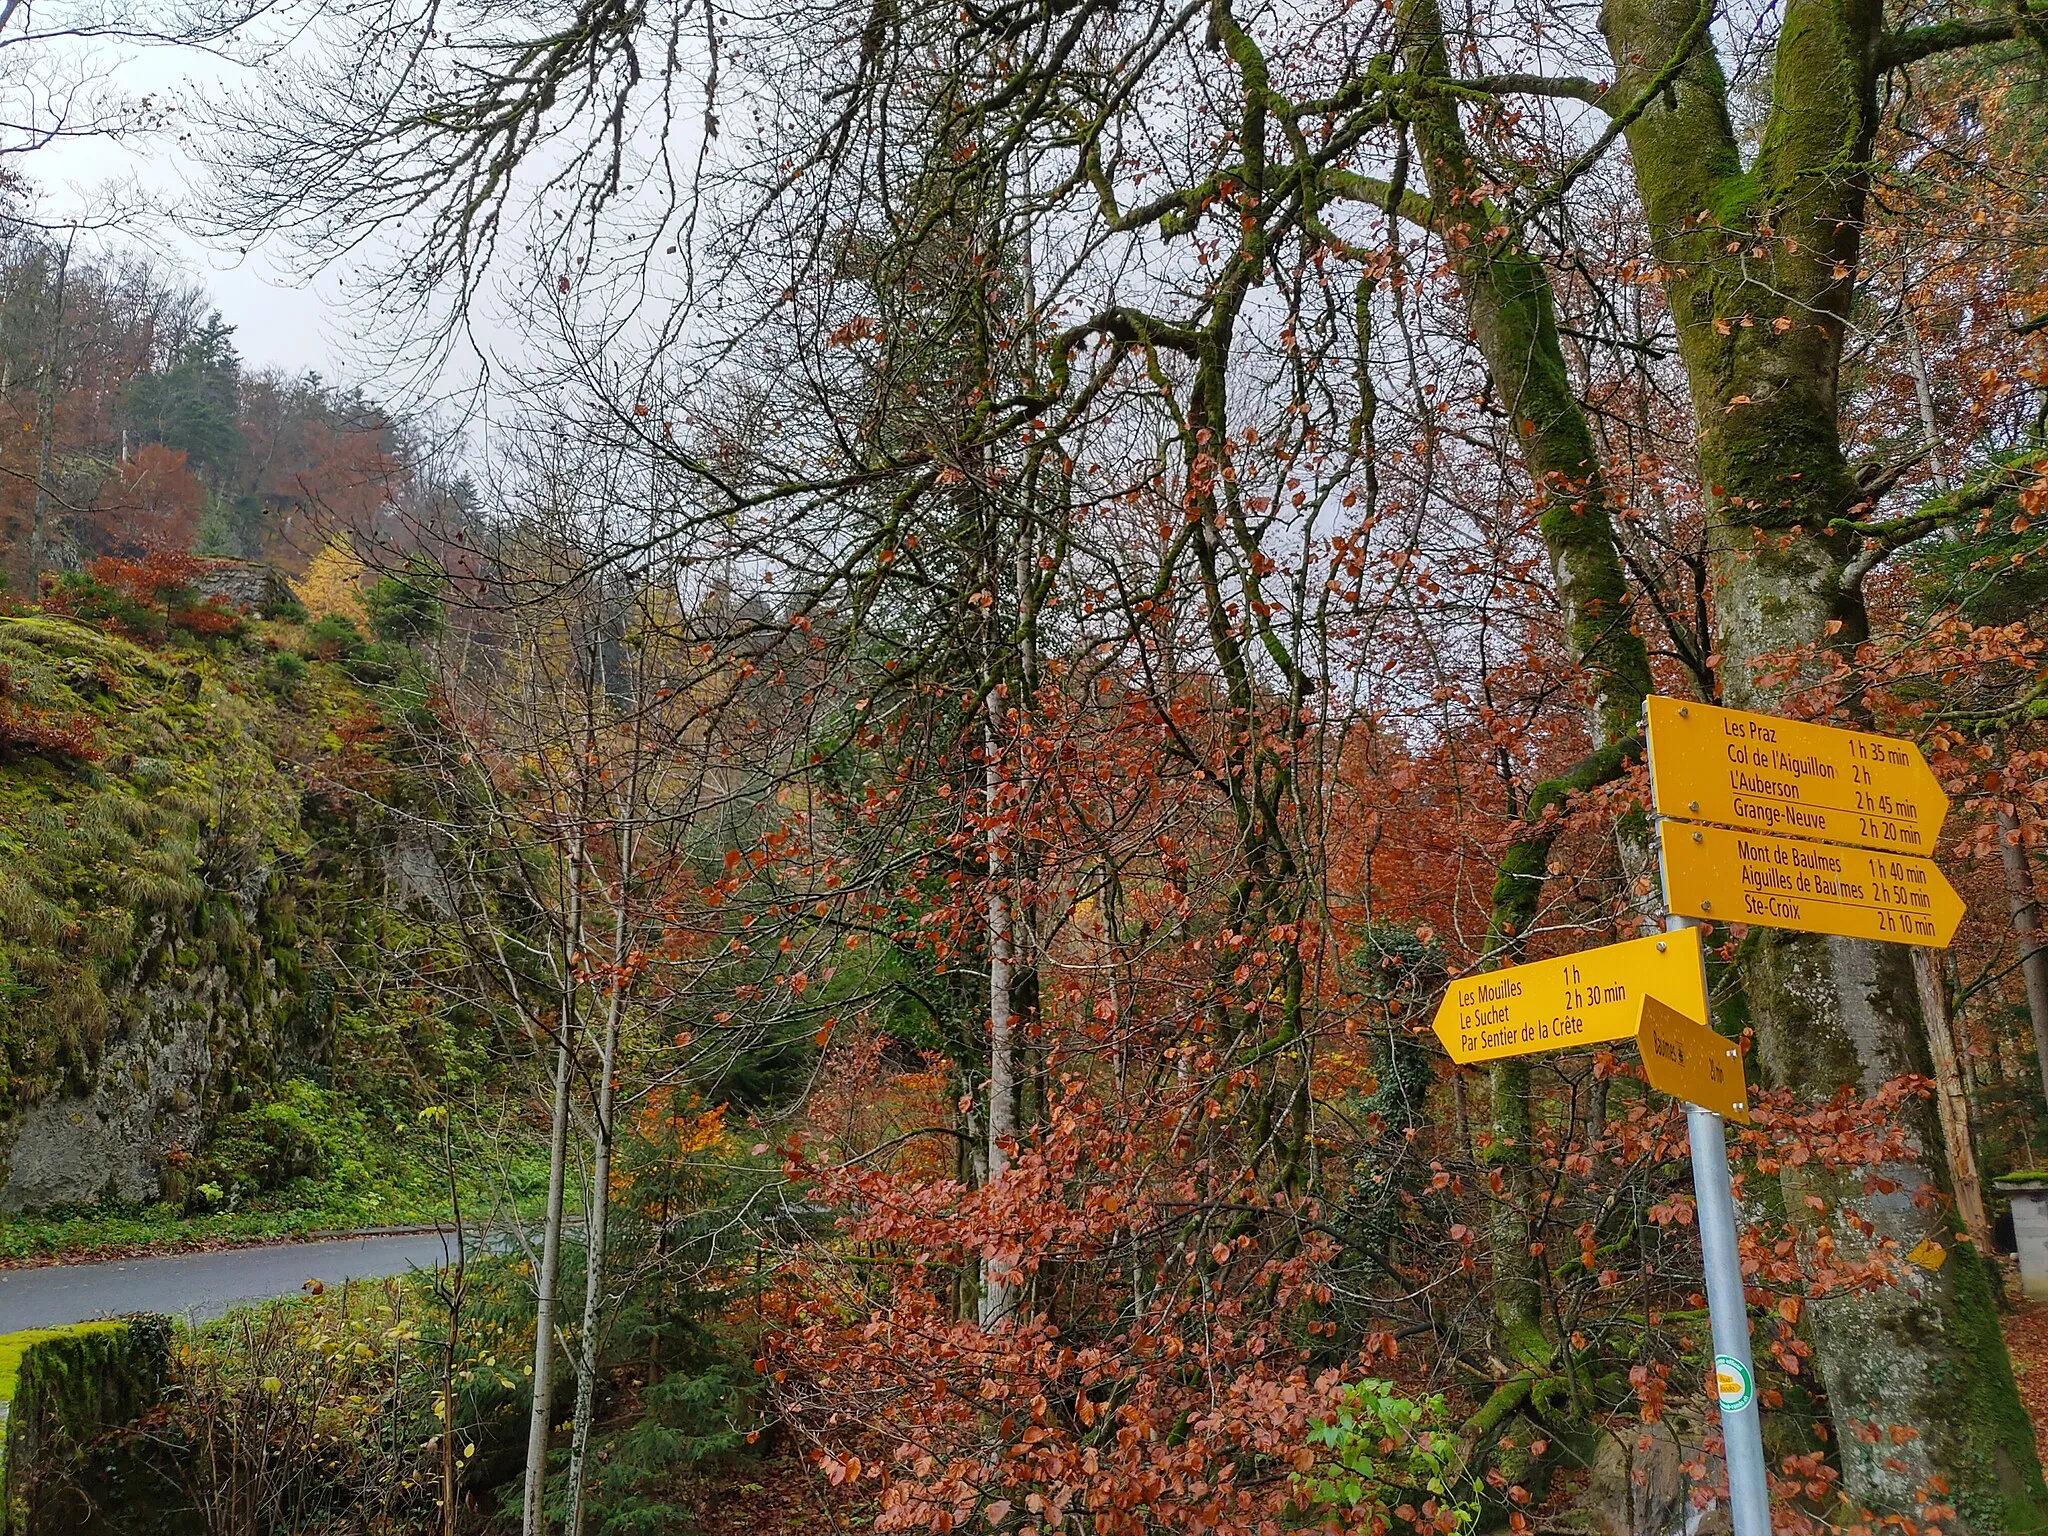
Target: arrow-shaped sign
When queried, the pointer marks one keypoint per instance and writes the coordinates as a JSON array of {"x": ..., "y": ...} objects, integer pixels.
[
  {"x": 1785, "y": 882},
  {"x": 1768, "y": 774},
  {"x": 1684, "y": 1058},
  {"x": 1588, "y": 998}
]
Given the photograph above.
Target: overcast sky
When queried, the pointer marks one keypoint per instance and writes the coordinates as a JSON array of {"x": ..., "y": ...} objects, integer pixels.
[{"x": 280, "y": 320}]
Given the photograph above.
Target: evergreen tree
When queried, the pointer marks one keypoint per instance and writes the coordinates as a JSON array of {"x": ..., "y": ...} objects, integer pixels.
[{"x": 195, "y": 403}]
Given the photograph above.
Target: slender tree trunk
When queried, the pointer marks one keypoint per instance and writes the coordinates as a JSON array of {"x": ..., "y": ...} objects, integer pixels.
[
  {"x": 1937, "y": 1000},
  {"x": 46, "y": 425},
  {"x": 603, "y": 1138},
  {"x": 998, "y": 1300},
  {"x": 1951, "y": 1097},
  {"x": 2026, "y": 919},
  {"x": 533, "y": 1520},
  {"x": 596, "y": 1211},
  {"x": 1024, "y": 957},
  {"x": 1508, "y": 298},
  {"x": 456, "y": 1293},
  {"x": 1923, "y": 396}
]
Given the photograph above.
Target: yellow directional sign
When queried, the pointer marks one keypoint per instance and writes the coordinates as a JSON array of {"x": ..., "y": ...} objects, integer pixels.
[
  {"x": 1684, "y": 1058},
  {"x": 1583, "y": 999},
  {"x": 1784, "y": 882},
  {"x": 1768, "y": 774}
]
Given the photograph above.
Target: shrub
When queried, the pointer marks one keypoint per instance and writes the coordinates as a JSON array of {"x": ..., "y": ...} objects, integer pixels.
[
  {"x": 209, "y": 620},
  {"x": 324, "y": 1415},
  {"x": 302, "y": 1133},
  {"x": 287, "y": 671},
  {"x": 28, "y": 730},
  {"x": 334, "y": 638},
  {"x": 1385, "y": 1454},
  {"x": 85, "y": 597},
  {"x": 145, "y": 598},
  {"x": 405, "y": 608}
]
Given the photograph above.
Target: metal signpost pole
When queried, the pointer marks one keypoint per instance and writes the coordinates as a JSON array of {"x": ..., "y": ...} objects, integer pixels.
[
  {"x": 1749, "y": 1497},
  {"x": 1837, "y": 826}
]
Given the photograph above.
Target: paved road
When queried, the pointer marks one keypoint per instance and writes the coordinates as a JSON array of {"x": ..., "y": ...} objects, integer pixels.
[{"x": 198, "y": 1286}]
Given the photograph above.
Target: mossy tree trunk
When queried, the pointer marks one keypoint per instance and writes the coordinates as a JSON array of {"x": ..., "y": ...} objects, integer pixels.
[
  {"x": 1759, "y": 262},
  {"x": 1507, "y": 295}
]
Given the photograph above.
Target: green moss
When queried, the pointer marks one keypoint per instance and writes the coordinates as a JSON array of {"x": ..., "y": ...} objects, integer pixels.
[
  {"x": 99, "y": 854},
  {"x": 15, "y": 1348},
  {"x": 1991, "y": 1454},
  {"x": 1732, "y": 200},
  {"x": 60, "y": 1388}
]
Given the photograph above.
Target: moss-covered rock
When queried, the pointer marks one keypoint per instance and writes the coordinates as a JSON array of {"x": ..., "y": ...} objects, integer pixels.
[
  {"x": 165, "y": 870},
  {"x": 61, "y": 1389}
]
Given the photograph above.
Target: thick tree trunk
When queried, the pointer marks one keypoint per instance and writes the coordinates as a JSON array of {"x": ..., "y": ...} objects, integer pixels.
[
  {"x": 1921, "y": 1355},
  {"x": 1759, "y": 263}
]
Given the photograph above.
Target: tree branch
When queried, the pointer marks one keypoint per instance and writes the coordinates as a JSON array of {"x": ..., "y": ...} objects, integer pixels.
[
  {"x": 1559, "y": 87},
  {"x": 1688, "y": 44},
  {"x": 1414, "y": 206},
  {"x": 1899, "y": 48},
  {"x": 1982, "y": 493}
]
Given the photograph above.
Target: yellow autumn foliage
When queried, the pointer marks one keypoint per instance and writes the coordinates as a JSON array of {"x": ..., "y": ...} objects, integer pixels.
[{"x": 333, "y": 583}]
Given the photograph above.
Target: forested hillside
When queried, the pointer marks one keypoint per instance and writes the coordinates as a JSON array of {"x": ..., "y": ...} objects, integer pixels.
[
  {"x": 1031, "y": 588},
  {"x": 198, "y": 886},
  {"x": 141, "y": 430}
]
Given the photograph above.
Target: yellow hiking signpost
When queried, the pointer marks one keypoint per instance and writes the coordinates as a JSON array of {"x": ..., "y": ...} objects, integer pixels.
[
  {"x": 1769, "y": 822},
  {"x": 1763, "y": 774},
  {"x": 1684, "y": 1058},
  {"x": 1777, "y": 824},
  {"x": 1786, "y": 882},
  {"x": 1589, "y": 998}
]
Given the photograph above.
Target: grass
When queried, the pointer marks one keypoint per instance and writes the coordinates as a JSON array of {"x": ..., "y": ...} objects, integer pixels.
[{"x": 110, "y": 1231}]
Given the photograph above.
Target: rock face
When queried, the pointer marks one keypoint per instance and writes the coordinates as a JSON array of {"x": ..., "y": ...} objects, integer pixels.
[
  {"x": 414, "y": 872},
  {"x": 243, "y": 584},
  {"x": 171, "y": 895},
  {"x": 148, "y": 1100}
]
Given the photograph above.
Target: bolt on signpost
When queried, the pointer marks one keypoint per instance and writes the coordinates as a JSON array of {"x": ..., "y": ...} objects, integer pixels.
[
  {"x": 1798, "y": 826},
  {"x": 1787, "y": 797}
]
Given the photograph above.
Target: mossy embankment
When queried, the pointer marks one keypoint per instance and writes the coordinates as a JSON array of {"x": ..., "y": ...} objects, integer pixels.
[
  {"x": 61, "y": 1391},
  {"x": 207, "y": 912}
]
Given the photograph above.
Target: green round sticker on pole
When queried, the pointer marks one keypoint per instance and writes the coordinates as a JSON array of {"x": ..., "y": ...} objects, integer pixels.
[{"x": 1733, "y": 1384}]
